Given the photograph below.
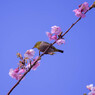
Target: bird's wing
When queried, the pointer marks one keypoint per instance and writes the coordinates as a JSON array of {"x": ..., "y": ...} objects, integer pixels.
[{"x": 44, "y": 45}]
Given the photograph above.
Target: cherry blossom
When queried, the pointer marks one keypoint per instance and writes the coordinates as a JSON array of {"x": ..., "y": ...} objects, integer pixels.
[
  {"x": 82, "y": 9},
  {"x": 60, "y": 41},
  {"x": 35, "y": 66},
  {"x": 29, "y": 53},
  {"x": 55, "y": 30},
  {"x": 16, "y": 73}
]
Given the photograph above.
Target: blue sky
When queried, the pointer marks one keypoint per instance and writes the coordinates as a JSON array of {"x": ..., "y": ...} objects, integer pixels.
[{"x": 23, "y": 23}]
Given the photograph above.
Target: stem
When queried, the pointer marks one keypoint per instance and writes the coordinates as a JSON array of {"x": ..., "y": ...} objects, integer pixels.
[
  {"x": 71, "y": 27},
  {"x": 44, "y": 53}
]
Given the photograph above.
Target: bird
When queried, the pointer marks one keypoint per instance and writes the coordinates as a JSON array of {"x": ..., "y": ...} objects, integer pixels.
[{"x": 42, "y": 46}]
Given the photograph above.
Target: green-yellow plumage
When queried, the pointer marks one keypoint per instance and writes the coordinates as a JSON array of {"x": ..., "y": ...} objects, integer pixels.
[{"x": 41, "y": 46}]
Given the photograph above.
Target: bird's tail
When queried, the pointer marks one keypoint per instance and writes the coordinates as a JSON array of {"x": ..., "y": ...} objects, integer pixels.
[{"x": 60, "y": 50}]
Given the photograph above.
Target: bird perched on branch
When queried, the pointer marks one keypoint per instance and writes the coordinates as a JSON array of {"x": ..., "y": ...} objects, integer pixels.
[{"x": 42, "y": 46}]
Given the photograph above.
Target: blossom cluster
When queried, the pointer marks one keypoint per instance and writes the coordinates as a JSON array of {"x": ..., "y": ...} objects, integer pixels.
[
  {"x": 91, "y": 88},
  {"x": 80, "y": 12},
  {"x": 24, "y": 64},
  {"x": 28, "y": 60},
  {"x": 55, "y": 34}
]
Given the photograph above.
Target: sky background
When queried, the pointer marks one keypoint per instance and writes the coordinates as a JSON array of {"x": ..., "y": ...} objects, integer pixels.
[{"x": 23, "y": 23}]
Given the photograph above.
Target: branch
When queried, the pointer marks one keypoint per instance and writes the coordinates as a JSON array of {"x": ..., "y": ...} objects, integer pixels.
[{"x": 44, "y": 53}]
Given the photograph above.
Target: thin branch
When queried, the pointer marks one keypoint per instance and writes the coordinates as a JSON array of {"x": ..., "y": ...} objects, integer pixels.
[{"x": 43, "y": 54}]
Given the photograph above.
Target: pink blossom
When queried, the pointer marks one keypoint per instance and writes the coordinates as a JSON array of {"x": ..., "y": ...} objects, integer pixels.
[
  {"x": 51, "y": 36},
  {"x": 91, "y": 93},
  {"x": 89, "y": 86},
  {"x": 28, "y": 66},
  {"x": 35, "y": 66},
  {"x": 21, "y": 71},
  {"x": 55, "y": 30},
  {"x": 16, "y": 74},
  {"x": 78, "y": 13},
  {"x": 82, "y": 9},
  {"x": 48, "y": 34},
  {"x": 19, "y": 76},
  {"x": 16, "y": 70},
  {"x": 54, "y": 37},
  {"x": 60, "y": 41},
  {"x": 13, "y": 74},
  {"x": 29, "y": 53},
  {"x": 93, "y": 89}
]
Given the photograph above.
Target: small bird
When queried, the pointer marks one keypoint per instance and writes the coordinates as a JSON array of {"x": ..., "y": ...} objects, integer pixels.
[{"x": 42, "y": 46}]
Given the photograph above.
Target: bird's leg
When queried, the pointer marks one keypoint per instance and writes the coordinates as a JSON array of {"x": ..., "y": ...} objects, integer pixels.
[{"x": 39, "y": 53}]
